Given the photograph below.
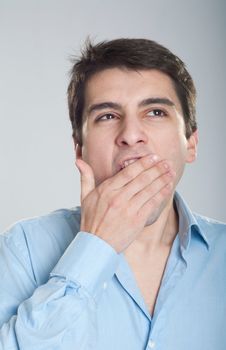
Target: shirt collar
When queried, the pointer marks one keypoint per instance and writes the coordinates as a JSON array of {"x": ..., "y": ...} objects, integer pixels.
[{"x": 188, "y": 224}]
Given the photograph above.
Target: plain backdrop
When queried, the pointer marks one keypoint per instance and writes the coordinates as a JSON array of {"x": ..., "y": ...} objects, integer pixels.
[{"x": 37, "y": 38}]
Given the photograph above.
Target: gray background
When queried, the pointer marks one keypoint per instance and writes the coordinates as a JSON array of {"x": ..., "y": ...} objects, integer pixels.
[{"x": 37, "y": 172}]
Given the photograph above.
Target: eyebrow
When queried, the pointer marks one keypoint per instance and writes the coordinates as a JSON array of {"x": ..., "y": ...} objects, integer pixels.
[
  {"x": 103, "y": 105},
  {"x": 117, "y": 106},
  {"x": 156, "y": 100}
]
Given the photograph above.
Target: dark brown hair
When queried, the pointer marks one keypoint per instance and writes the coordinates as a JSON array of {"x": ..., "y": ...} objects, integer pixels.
[{"x": 135, "y": 54}]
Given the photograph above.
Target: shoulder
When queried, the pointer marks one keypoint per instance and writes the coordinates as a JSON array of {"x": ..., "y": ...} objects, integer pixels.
[
  {"x": 61, "y": 222},
  {"x": 39, "y": 242},
  {"x": 210, "y": 223},
  {"x": 214, "y": 230}
]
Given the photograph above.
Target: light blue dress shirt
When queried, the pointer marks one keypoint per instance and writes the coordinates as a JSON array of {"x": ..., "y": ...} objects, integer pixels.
[{"x": 62, "y": 289}]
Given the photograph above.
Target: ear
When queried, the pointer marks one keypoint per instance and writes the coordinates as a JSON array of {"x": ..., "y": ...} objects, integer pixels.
[
  {"x": 192, "y": 143},
  {"x": 78, "y": 150}
]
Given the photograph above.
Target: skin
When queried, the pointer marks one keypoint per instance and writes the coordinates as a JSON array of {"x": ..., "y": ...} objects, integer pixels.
[{"x": 129, "y": 114}]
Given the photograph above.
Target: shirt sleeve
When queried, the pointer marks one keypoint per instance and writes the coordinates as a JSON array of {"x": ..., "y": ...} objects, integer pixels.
[{"x": 60, "y": 314}]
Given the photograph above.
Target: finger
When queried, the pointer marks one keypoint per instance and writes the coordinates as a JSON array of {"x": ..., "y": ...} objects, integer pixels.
[
  {"x": 150, "y": 191},
  {"x": 155, "y": 205},
  {"x": 86, "y": 178},
  {"x": 145, "y": 179},
  {"x": 127, "y": 174}
]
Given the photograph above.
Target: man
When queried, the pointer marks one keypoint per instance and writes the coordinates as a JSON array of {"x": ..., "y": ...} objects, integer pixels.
[{"x": 140, "y": 271}]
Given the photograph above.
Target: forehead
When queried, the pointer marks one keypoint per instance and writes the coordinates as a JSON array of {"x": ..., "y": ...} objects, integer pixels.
[{"x": 129, "y": 86}]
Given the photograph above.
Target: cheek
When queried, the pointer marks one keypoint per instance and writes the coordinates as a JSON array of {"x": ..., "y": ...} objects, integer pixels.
[
  {"x": 178, "y": 157},
  {"x": 175, "y": 150},
  {"x": 178, "y": 151},
  {"x": 98, "y": 154}
]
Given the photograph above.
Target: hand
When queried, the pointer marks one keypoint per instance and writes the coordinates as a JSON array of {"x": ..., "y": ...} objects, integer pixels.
[{"x": 118, "y": 209}]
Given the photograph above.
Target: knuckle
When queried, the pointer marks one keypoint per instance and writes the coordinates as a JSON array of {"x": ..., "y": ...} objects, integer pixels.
[
  {"x": 166, "y": 178},
  {"x": 167, "y": 189},
  {"x": 153, "y": 203},
  {"x": 100, "y": 190},
  {"x": 114, "y": 202},
  {"x": 150, "y": 190},
  {"x": 103, "y": 189},
  {"x": 163, "y": 166},
  {"x": 128, "y": 175},
  {"x": 144, "y": 177},
  {"x": 161, "y": 181},
  {"x": 146, "y": 163}
]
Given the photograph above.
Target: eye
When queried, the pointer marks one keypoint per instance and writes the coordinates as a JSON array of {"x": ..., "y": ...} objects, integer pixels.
[
  {"x": 107, "y": 116},
  {"x": 157, "y": 113}
]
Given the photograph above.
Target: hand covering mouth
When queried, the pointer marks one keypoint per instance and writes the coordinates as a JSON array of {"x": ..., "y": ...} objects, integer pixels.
[
  {"x": 128, "y": 162},
  {"x": 130, "y": 158}
]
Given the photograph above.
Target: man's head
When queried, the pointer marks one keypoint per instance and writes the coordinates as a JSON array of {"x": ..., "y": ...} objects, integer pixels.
[
  {"x": 132, "y": 54},
  {"x": 129, "y": 98}
]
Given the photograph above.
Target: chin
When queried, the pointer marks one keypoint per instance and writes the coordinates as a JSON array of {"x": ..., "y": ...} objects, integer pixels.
[
  {"x": 157, "y": 213},
  {"x": 152, "y": 219}
]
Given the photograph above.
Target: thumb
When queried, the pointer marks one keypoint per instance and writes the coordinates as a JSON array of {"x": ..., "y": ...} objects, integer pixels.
[{"x": 86, "y": 177}]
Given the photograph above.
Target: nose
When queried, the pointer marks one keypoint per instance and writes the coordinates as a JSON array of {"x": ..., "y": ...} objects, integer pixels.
[{"x": 131, "y": 133}]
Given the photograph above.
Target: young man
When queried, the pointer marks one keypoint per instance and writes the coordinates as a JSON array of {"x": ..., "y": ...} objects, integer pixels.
[{"x": 140, "y": 270}]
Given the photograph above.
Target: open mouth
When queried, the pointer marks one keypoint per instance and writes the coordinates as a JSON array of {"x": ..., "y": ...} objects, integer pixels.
[{"x": 128, "y": 162}]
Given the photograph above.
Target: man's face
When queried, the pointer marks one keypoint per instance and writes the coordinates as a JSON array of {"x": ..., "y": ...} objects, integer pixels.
[{"x": 129, "y": 114}]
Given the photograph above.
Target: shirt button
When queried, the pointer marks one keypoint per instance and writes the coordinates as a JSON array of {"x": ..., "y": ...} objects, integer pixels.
[
  {"x": 105, "y": 285},
  {"x": 151, "y": 344}
]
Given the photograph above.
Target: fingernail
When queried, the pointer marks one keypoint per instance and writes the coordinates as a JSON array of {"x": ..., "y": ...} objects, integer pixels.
[
  {"x": 171, "y": 173},
  {"x": 166, "y": 166},
  {"x": 154, "y": 157}
]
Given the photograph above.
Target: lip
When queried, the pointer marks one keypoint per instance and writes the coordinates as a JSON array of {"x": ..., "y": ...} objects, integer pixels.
[{"x": 121, "y": 162}]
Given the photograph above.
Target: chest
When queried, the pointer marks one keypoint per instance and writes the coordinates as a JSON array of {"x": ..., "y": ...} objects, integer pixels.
[
  {"x": 118, "y": 315},
  {"x": 149, "y": 281},
  {"x": 148, "y": 273}
]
